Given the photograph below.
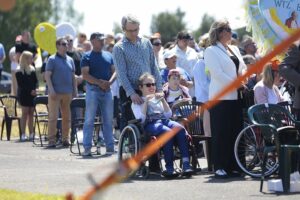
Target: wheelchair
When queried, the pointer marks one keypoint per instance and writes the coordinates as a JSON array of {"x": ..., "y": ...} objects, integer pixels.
[
  {"x": 249, "y": 145},
  {"x": 133, "y": 138}
]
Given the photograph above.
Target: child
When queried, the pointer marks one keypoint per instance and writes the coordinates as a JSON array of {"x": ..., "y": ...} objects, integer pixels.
[
  {"x": 27, "y": 85},
  {"x": 155, "y": 113},
  {"x": 174, "y": 91}
]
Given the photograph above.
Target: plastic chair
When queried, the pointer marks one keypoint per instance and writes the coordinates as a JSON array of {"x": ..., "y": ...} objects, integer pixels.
[
  {"x": 276, "y": 123},
  {"x": 9, "y": 105},
  {"x": 194, "y": 128},
  {"x": 41, "y": 116}
]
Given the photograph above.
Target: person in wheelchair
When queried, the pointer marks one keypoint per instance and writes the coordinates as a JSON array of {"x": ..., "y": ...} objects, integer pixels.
[
  {"x": 174, "y": 91},
  {"x": 155, "y": 115}
]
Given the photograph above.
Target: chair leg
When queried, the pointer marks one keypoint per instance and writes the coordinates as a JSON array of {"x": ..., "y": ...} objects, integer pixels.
[
  {"x": 8, "y": 128},
  {"x": 3, "y": 122}
]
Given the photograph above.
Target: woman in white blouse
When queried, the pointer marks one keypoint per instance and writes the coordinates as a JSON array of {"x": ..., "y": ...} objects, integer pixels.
[{"x": 224, "y": 63}]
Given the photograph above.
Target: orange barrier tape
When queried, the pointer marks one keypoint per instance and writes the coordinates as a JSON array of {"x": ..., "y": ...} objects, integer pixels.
[{"x": 126, "y": 166}]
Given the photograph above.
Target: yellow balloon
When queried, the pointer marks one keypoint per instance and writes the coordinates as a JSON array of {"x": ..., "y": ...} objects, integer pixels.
[{"x": 45, "y": 37}]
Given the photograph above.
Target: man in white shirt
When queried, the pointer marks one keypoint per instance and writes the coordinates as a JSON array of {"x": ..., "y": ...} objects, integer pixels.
[{"x": 186, "y": 56}]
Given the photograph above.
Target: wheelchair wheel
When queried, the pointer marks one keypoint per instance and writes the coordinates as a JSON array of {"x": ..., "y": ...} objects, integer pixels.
[
  {"x": 248, "y": 152},
  {"x": 129, "y": 142}
]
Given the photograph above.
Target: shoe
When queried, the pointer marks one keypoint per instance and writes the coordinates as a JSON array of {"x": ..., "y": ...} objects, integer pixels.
[
  {"x": 51, "y": 146},
  {"x": 66, "y": 144},
  {"x": 221, "y": 174},
  {"x": 234, "y": 174},
  {"x": 186, "y": 169},
  {"x": 110, "y": 151},
  {"x": 169, "y": 174},
  {"x": 87, "y": 153},
  {"x": 187, "y": 172},
  {"x": 31, "y": 136},
  {"x": 23, "y": 137}
]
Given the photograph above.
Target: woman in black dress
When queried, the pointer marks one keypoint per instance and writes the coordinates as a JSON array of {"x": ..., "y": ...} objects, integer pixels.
[{"x": 27, "y": 85}]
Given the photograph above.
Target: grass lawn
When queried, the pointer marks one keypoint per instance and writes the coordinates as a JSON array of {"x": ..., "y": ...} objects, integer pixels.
[{"x": 14, "y": 195}]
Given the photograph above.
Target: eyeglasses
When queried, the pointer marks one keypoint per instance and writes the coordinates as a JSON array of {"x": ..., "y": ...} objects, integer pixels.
[
  {"x": 175, "y": 76},
  {"x": 156, "y": 44},
  {"x": 63, "y": 44},
  {"x": 227, "y": 29},
  {"x": 70, "y": 40},
  {"x": 132, "y": 31},
  {"x": 149, "y": 84}
]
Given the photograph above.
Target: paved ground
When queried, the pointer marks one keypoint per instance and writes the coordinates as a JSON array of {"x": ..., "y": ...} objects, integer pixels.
[{"x": 24, "y": 167}]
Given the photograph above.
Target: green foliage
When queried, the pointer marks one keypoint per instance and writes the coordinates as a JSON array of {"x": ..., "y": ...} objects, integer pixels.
[
  {"x": 117, "y": 28},
  {"x": 24, "y": 16},
  {"x": 168, "y": 24},
  {"x": 63, "y": 11},
  {"x": 241, "y": 32},
  {"x": 206, "y": 22},
  {"x": 27, "y": 14}
]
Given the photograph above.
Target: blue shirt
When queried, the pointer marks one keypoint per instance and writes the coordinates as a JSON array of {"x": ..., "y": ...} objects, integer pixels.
[
  {"x": 132, "y": 60},
  {"x": 99, "y": 64},
  {"x": 62, "y": 69},
  {"x": 2, "y": 54},
  {"x": 164, "y": 74}
]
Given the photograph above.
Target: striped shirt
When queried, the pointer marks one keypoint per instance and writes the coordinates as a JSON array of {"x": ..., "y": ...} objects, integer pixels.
[{"x": 132, "y": 60}]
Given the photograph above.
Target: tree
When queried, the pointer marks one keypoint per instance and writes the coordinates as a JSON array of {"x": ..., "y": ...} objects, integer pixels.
[
  {"x": 206, "y": 22},
  {"x": 168, "y": 24},
  {"x": 26, "y": 15},
  {"x": 63, "y": 11},
  {"x": 117, "y": 28}
]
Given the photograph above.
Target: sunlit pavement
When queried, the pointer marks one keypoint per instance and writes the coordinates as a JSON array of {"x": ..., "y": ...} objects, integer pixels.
[{"x": 25, "y": 167}]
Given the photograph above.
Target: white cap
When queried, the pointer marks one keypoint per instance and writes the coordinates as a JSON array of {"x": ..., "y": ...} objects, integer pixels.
[{"x": 169, "y": 54}]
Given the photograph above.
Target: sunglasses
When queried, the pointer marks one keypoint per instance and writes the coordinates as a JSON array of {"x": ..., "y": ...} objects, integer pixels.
[
  {"x": 63, "y": 44},
  {"x": 149, "y": 84},
  {"x": 132, "y": 31},
  {"x": 70, "y": 40},
  {"x": 227, "y": 29},
  {"x": 156, "y": 44}
]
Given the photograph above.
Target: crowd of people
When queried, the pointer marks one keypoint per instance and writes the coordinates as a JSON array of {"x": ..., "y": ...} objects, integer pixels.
[{"x": 114, "y": 70}]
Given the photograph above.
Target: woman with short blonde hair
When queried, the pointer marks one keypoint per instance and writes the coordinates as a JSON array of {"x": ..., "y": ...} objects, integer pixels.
[{"x": 27, "y": 85}]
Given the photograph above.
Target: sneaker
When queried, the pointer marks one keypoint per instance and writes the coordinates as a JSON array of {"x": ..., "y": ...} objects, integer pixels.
[
  {"x": 87, "y": 153},
  {"x": 221, "y": 174},
  {"x": 51, "y": 146},
  {"x": 186, "y": 169},
  {"x": 66, "y": 144},
  {"x": 169, "y": 174},
  {"x": 23, "y": 137},
  {"x": 110, "y": 151},
  {"x": 31, "y": 136}
]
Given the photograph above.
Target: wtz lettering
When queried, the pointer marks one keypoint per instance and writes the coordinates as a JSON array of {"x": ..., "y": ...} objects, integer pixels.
[{"x": 282, "y": 4}]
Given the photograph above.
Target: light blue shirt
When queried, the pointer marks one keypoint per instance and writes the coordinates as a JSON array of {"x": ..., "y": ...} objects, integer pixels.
[
  {"x": 132, "y": 60},
  {"x": 2, "y": 54},
  {"x": 62, "y": 69},
  {"x": 202, "y": 81}
]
